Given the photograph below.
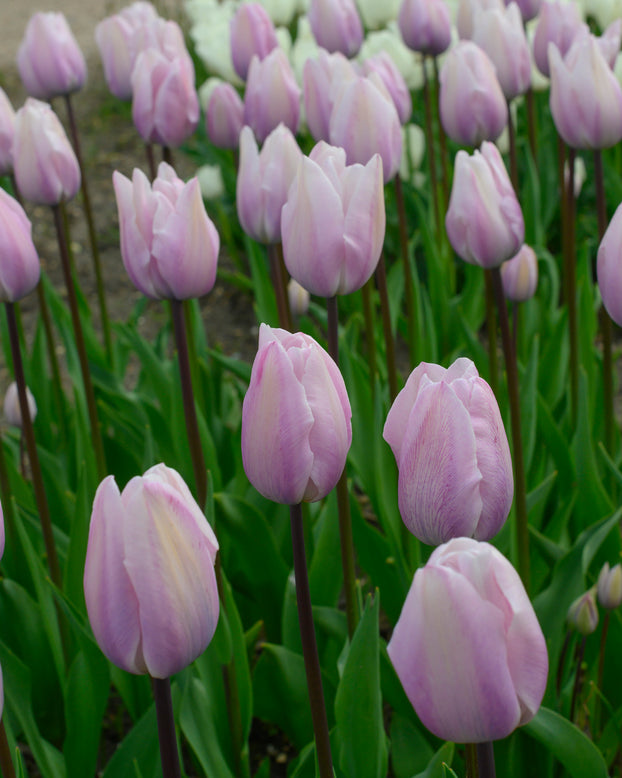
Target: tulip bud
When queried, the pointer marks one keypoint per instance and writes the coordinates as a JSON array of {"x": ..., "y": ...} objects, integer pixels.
[
  {"x": 583, "y": 613},
  {"x": 364, "y": 122},
  {"x": 322, "y": 79},
  {"x": 296, "y": 429},
  {"x": 467, "y": 13},
  {"x": 585, "y": 98},
  {"x": 425, "y": 26},
  {"x": 12, "y": 410},
  {"x": 609, "y": 586},
  {"x": 49, "y": 59},
  {"x": 333, "y": 222},
  {"x": 263, "y": 181},
  {"x": 467, "y": 647},
  {"x": 224, "y": 117},
  {"x": 19, "y": 268},
  {"x": 272, "y": 95},
  {"x": 298, "y": 298},
  {"x": 383, "y": 65},
  {"x": 455, "y": 471},
  {"x": 336, "y": 25},
  {"x": 252, "y": 34},
  {"x": 45, "y": 165},
  {"x": 558, "y": 23},
  {"x": 149, "y": 580},
  {"x": 519, "y": 275},
  {"x": 472, "y": 104},
  {"x": 484, "y": 220},
  {"x": 7, "y": 132},
  {"x": 529, "y": 9},
  {"x": 169, "y": 245},
  {"x": 500, "y": 33}
]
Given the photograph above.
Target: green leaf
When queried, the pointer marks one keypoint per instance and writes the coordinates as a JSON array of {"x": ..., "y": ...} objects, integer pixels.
[
  {"x": 436, "y": 767},
  {"x": 139, "y": 753},
  {"x": 568, "y": 744},
  {"x": 410, "y": 751},
  {"x": 358, "y": 705}
]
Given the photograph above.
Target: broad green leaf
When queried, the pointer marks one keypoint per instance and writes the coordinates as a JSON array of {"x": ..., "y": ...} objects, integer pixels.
[{"x": 435, "y": 769}]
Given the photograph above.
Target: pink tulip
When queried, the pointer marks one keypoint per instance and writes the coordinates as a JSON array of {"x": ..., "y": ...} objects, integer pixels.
[
  {"x": 12, "y": 409},
  {"x": 298, "y": 297},
  {"x": 585, "y": 98},
  {"x": 452, "y": 453},
  {"x": 333, "y": 222},
  {"x": 529, "y": 9},
  {"x": 169, "y": 245},
  {"x": 609, "y": 267},
  {"x": 49, "y": 59},
  {"x": 323, "y": 77},
  {"x": 468, "y": 648},
  {"x": 149, "y": 580},
  {"x": 19, "y": 268},
  {"x": 558, "y": 23},
  {"x": 609, "y": 586},
  {"x": 252, "y": 34},
  {"x": 364, "y": 122},
  {"x": 472, "y": 104},
  {"x": 45, "y": 165},
  {"x": 296, "y": 429},
  {"x": 385, "y": 67},
  {"x": 224, "y": 117},
  {"x": 272, "y": 95},
  {"x": 484, "y": 221},
  {"x": 519, "y": 275},
  {"x": 263, "y": 181},
  {"x": 468, "y": 11},
  {"x": 425, "y": 25},
  {"x": 7, "y": 131},
  {"x": 336, "y": 25}
]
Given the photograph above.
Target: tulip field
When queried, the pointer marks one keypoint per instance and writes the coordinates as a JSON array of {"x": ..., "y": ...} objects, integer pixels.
[{"x": 384, "y": 541}]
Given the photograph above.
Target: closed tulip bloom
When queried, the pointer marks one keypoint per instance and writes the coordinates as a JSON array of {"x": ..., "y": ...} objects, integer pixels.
[
  {"x": 558, "y": 23},
  {"x": 272, "y": 95},
  {"x": 333, "y": 222},
  {"x": 519, "y": 275},
  {"x": 263, "y": 182},
  {"x": 252, "y": 34},
  {"x": 296, "y": 429},
  {"x": 500, "y": 33},
  {"x": 44, "y": 162},
  {"x": 609, "y": 586},
  {"x": 19, "y": 268},
  {"x": 383, "y": 65},
  {"x": 298, "y": 297},
  {"x": 583, "y": 613},
  {"x": 467, "y": 647},
  {"x": 452, "y": 454},
  {"x": 609, "y": 267},
  {"x": 609, "y": 42},
  {"x": 473, "y": 107},
  {"x": 336, "y": 25},
  {"x": 7, "y": 131},
  {"x": 149, "y": 580},
  {"x": 49, "y": 59},
  {"x": 224, "y": 117},
  {"x": 529, "y": 9},
  {"x": 12, "y": 409},
  {"x": 322, "y": 78},
  {"x": 484, "y": 221},
  {"x": 585, "y": 98},
  {"x": 169, "y": 245},
  {"x": 425, "y": 25},
  {"x": 364, "y": 122}
]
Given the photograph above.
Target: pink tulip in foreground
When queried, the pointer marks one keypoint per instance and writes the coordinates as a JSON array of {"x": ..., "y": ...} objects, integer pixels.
[
  {"x": 452, "y": 453},
  {"x": 609, "y": 267},
  {"x": 484, "y": 220},
  {"x": 467, "y": 647},
  {"x": 272, "y": 95},
  {"x": 296, "y": 430},
  {"x": 49, "y": 59},
  {"x": 322, "y": 79},
  {"x": 7, "y": 131},
  {"x": 336, "y": 25},
  {"x": 252, "y": 34},
  {"x": 224, "y": 117},
  {"x": 558, "y": 23},
  {"x": 333, "y": 222},
  {"x": 519, "y": 275},
  {"x": 169, "y": 245},
  {"x": 385, "y": 67},
  {"x": 19, "y": 268},
  {"x": 45, "y": 165},
  {"x": 149, "y": 579}
]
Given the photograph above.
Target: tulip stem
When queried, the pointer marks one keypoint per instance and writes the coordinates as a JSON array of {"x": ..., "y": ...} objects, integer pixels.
[
  {"x": 275, "y": 254},
  {"x": 151, "y": 161},
  {"x": 6, "y": 763},
  {"x": 309, "y": 646},
  {"x": 571, "y": 283},
  {"x": 485, "y": 760},
  {"x": 167, "y": 155},
  {"x": 59, "y": 401},
  {"x": 190, "y": 413},
  {"x": 577, "y": 678},
  {"x": 98, "y": 446},
  {"x": 601, "y": 671},
  {"x": 531, "y": 122},
  {"x": 370, "y": 331},
  {"x": 470, "y": 757},
  {"x": 441, "y": 139},
  {"x": 513, "y": 157},
  {"x": 520, "y": 488},
  {"x": 429, "y": 139},
  {"x": 343, "y": 498},
  {"x": 491, "y": 328},
  {"x": 408, "y": 277},
  {"x": 90, "y": 223},
  {"x": 169, "y": 754},
  {"x": 381, "y": 281}
]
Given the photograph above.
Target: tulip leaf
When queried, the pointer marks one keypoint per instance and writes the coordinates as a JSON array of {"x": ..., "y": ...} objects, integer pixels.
[
  {"x": 528, "y": 404},
  {"x": 139, "y": 752},
  {"x": 436, "y": 768},
  {"x": 410, "y": 751},
  {"x": 363, "y": 749},
  {"x": 576, "y": 752}
]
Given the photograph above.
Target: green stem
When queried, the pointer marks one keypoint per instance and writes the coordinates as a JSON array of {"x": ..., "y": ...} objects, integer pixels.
[
  {"x": 442, "y": 140},
  {"x": 280, "y": 288},
  {"x": 96, "y": 436},
  {"x": 370, "y": 332},
  {"x": 429, "y": 139},
  {"x": 485, "y": 760},
  {"x": 309, "y": 646},
  {"x": 59, "y": 400},
  {"x": 601, "y": 671},
  {"x": 531, "y": 122},
  {"x": 6, "y": 763},
  {"x": 576, "y": 689},
  {"x": 571, "y": 283},
  {"x": 408, "y": 278},
  {"x": 190, "y": 413},
  {"x": 470, "y": 758},
  {"x": 561, "y": 661},
  {"x": 169, "y": 754},
  {"x": 491, "y": 328},
  {"x": 513, "y": 157},
  {"x": 520, "y": 489},
  {"x": 90, "y": 223},
  {"x": 381, "y": 281}
]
